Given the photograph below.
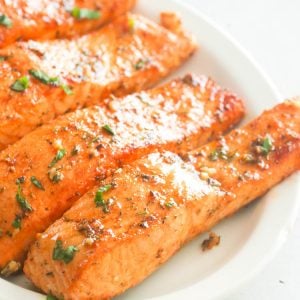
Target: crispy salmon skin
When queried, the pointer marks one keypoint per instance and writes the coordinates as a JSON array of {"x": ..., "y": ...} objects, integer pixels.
[
  {"x": 41, "y": 80},
  {"x": 45, "y": 172},
  {"x": 44, "y": 19},
  {"x": 121, "y": 231}
]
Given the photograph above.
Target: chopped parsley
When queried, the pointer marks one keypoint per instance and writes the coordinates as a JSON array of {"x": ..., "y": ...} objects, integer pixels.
[
  {"x": 108, "y": 129},
  {"x": 99, "y": 200},
  {"x": 169, "y": 204},
  {"x": 24, "y": 204},
  {"x": 84, "y": 13},
  {"x": 17, "y": 222},
  {"x": 140, "y": 64},
  {"x": 221, "y": 153},
  {"x": 5, "y": 21},
  {"x": 55, "y": 175},
  {"x": 66, "y": 255},
  {"x": 266, "y": 145},
  {"x": 59, "y": 155},
  {"x": 3, "y": 57},
  {"x": 67, "y": 89},
  {"x": 43, "y": 77},
  {"x": 20, "y": 180},
  {"x": 20, "y": 85},
  {"x": 36, "y": 183},
  {"x": 46, "y": 79}
]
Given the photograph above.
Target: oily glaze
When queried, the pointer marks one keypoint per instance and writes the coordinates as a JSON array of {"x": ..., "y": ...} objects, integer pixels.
[
  {"x": 44, "y": 19},
  {"x": 158, "y": 203},
  {"x": 128, "y": 55},
  {"x": 178, "y": 116}
]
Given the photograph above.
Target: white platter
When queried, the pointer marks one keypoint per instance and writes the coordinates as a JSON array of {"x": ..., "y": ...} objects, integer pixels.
[{"x": 250, "y": 238}]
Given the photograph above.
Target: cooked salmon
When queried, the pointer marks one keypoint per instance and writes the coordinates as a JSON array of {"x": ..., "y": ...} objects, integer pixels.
[
  {"x": 44, "y": 19},
  {"x": 45, "y": 172},
  {"x": 125, "y": 228},
  {"x": 41, "y": 80}
]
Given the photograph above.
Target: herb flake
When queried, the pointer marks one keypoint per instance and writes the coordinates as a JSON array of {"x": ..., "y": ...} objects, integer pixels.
[
  {"x": 221, "y": 153},
  {"x": 108, "y": 129},
  {"x": 24, "y": 204},
  {"x": 5, "y": 21},
  {"x": 99, "y": 200},
  {"x": 43, "y": 77},
  {"x": 20, "y": 85},
  {"x": 17, "y": 222},
  {"x": 59, "y": 155},
  {"x": 37, "y": 183},
  {"x": 67, "y": 89},
  {"x": 84, "y": 13},
  {"x": 66, "y": 255},
  {"x": 170, "y": 204},
  {"x": 140, "y": 64},
  {"x": 266, "y": 145},
  {"x": 3, "y": 57}
]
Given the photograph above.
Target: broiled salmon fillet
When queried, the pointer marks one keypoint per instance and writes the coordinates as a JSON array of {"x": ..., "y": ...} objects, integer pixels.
[
  {"x": 121, "y": 231},
  {"x": 41, "y": 80},
  {"x": 43, "y": 174},
  {"x": 44, "y": 19}
]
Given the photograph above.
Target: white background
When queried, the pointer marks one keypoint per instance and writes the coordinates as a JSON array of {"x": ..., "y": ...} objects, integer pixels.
[{"x": 270, "y": 31}]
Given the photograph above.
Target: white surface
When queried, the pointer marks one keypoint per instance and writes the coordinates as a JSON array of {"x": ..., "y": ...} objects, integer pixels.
[
  {"x": 252, "y": 233},
  {"x": 269, "y": 30}
]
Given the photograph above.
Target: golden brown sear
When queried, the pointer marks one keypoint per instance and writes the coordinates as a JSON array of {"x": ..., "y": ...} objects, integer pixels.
[
  {"x": 44, "y": 173},
  {"x": 41, "y": 80},
  {"x": 125, "y": 228}
]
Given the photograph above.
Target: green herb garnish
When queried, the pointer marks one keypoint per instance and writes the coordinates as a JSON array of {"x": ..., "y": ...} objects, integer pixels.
[
  {"x": 37, "y": 183},
  {"x": 169, "y": 204},
  {"x": 17, "y": 222},
  {"x": 99, "y": 200},
  {"x": 5, "y": 21},
  {"x": 266, "y": 145},
  {"x": 108, "y": 129},
  {"x": 140, "y": 64},
  {"x": 24, "y": 204},
  {"x": 4, "y": 57},
  {"x": 67, "y": 89},
  {"x": 20, "y": 180},
  {"x": 56, "y": 177},
  {"x": 20, "y": 85},
  {"x": 221, "y": 153},
  {"x": 66, "y": 255},
  {"x": 218, "y": 153},
  {"x": 84, "y": 13},
  {"x": 43, "y": 77},
  {"x": 46, "y": 79},
  {"x": 59, "y": 155}
]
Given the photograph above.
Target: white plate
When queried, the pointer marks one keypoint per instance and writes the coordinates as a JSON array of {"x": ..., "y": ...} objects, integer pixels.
[{"x": 250, "y": 238}]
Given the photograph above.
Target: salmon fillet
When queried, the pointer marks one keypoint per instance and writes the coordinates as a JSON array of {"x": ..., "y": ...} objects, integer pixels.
[
  {"x": 44, "y": 19},
  {"x": 121, "y": 231},
  {"x": 43, "y": 174},
  {"x": 41, "y": 80}
]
